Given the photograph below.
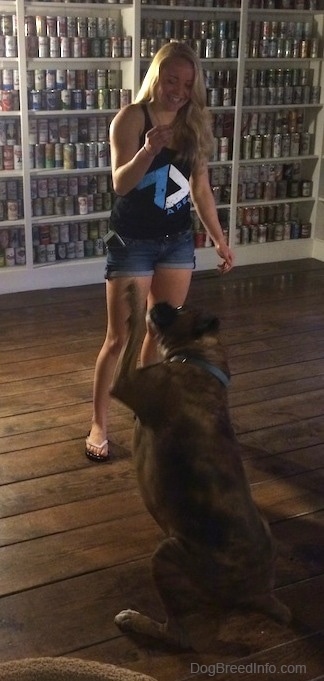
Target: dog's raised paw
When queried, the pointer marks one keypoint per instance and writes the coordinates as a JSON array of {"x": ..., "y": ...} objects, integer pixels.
[{"x": 124, "y": 619}]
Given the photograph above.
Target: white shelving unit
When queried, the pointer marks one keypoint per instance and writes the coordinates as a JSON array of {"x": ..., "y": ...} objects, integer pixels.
[{"x": 148, "y": 25}]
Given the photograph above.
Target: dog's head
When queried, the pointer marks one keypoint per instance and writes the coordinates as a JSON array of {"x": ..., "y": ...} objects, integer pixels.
[{"x": 177, "y": 327}]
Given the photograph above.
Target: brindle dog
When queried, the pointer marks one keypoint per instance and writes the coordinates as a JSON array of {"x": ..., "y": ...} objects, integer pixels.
[{"x": 218, "y": 548}]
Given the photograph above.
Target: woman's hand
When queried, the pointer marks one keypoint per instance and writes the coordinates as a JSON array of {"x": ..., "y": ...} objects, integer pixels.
[
  {"x": 156, "y": 138},
  {"x": 227, "y": 255}
]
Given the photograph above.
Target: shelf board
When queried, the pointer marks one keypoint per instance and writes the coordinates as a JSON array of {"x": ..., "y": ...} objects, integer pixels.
[
  {"x": 7, "y": 224},
  {"x": 221, "y": 109},
  {"x": 4, "y": 174},
  {"x": 287, "y": 61},
  {"x": 56, "y": 219},
  {"x": 282, "y": 159},
  {"x": 71, "y": 112},
  {"x": 8, "y": 62},
  {"x": 231, "y": 61},
  {"x": 10, "y": 114},
  {"x": 45, "y": 172},
  {"x": 275, "y": 107},
  {"x": 72, "y": 62},
  {"x": 8, "y": 6},
  {"x": 190, "y": 9},
  {"x": 291, "y": 13},
  {"x": 264, "y": 202},
  {"x": 72, "y": 9},
  {"x": 215, "y": 164}
]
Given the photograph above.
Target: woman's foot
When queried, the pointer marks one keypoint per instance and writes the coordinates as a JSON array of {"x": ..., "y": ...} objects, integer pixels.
[{"x": 98, "y": 453}]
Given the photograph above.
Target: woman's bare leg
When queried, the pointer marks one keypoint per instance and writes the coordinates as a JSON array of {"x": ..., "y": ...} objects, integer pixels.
[
  {"x": 117, "y": 313},
  {"x": 169, "y": 285}
]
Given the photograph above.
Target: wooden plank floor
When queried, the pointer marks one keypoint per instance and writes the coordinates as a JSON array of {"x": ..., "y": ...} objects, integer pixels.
[{"x": 75, "y": 539}]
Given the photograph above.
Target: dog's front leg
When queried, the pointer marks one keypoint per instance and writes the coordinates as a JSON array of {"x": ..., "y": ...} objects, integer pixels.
[
  {"x": 131, "y": 620},
  {"x": 175, "y": 590}
]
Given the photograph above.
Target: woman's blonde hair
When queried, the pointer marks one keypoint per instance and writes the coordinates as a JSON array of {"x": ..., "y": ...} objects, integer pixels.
[{"x": 193, "y": 137}]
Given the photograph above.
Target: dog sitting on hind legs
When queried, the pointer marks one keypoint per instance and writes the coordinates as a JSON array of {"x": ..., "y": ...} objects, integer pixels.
[{"x": 218, "y": 550}]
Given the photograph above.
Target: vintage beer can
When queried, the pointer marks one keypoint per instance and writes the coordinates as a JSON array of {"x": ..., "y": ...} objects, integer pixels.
[
  {"x": 68, "y": 205},
  {"x": 276, "y": 145},
  {"x": 54, "y": 47},
  {"x": 305, "y": 230},
  {"x": 70, "y": 250},
  {"x": 66, "y": 99},
  {"x": 125, "y": 96},
  {"x": 227, "y": 96},
  {"x": 39, "y": 153},
  {"x": 91, "y": 154},
  {"x": 127, "y": 46},
  {"x": 50, "y": 79},
  {"x": 102, "y": 148},
  {"x": 61, "y": 26},
  {"x": 80, "y": 155},
  {"x": 68, "y": 156},
  {"x": 90, "y": 99},
  {"x": 76, "y": 47},
  {"x": 306, "y": 188},
  {"x": 60, "y": 79},
  {"x": 83, "y": 204},
  {"x": 102, "y": 98},
  {"x": 246, "y": 147},
  {"x": 116, "y": 47},
  {"x": 58, "y": 155},
  {"x": 267, "y": 145},
  {"x": 52, "y": 100},
  {"x": 305, "y": 140},
  {"x": 79, "y": 249},
  {"x": 256, "y": 146},
  {"x": 285, "y": 145},
  {"x": 11, "y": 49},
  {"x": 294, "y": 144},
  {"x": 49, "y": 155},
  {"x": 36, "y": 100},
  {"x": 59, "y": 208},
  {"x": 77, "y": 99},
  {"x": 223, "y": 148}
]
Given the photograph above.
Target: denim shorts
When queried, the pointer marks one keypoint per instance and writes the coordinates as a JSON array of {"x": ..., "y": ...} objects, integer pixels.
[{"x": 141, "y": 257}]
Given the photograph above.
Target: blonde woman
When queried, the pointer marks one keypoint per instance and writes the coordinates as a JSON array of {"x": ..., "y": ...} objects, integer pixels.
[{"x": 159, "y": 151}]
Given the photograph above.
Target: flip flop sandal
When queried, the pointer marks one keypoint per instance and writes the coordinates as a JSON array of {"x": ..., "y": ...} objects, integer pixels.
[{"x": 96, "y": 452}]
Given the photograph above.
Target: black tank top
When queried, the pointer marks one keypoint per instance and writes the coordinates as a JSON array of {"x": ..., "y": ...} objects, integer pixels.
[{"x": 159, "y": 204}]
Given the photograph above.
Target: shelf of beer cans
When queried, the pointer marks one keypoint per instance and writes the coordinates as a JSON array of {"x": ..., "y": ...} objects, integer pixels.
[
  {"x": 66, "y": 143},
  {"x": 60, "y": 241},
  {"x": 70, "y": 195},
  {"x": 82, "y": 61},
  {"x": 272, "y": 222},
  {"x": 300, "y": 5},
  {"x": 12, "y": 231},
  {"x": 58, "y": 90},
  {"x": 209, "y": 37},
  {"x": 81, "y": 42},
  {"x": 78, "y": 37},
  {"x": 12, "y": 246}
]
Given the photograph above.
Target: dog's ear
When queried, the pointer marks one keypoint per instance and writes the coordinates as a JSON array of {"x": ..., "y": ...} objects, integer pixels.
[
  {"x": 163, "y": 314},
  {"x": 205, "y": 324}
]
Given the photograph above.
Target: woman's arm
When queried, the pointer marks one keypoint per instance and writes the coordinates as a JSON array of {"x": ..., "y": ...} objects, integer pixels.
[
  {"x": 204, "y": 204},
  {"x": 129, "y": 163}
]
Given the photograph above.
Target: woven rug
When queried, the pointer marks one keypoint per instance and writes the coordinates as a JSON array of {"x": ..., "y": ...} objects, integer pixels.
[{"x": 65, "y": 669}]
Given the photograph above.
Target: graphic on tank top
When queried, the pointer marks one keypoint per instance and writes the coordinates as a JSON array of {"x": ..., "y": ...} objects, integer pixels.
[
  {"x": 171, "y": 187},
  {"x": 160, "y": 203}
]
